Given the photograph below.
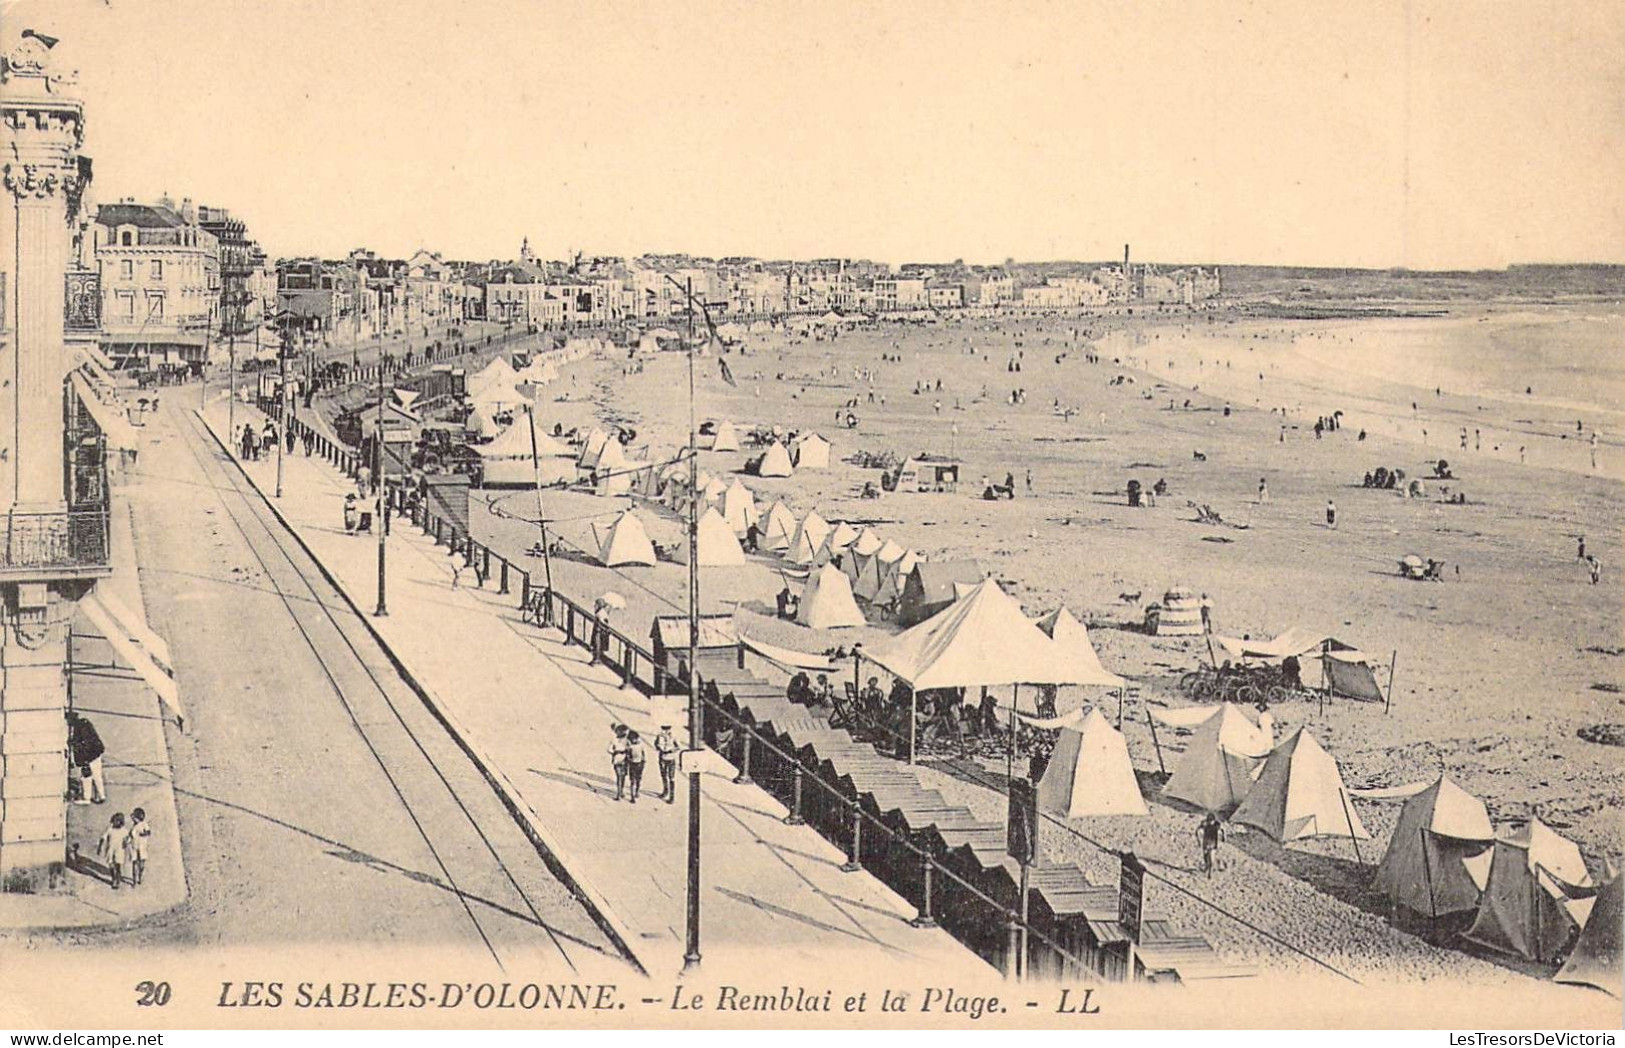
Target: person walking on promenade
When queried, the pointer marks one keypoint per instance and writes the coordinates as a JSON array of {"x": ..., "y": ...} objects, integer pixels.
[
  {"x": 637, "y": 754},
  {"x": 135, "y": 845},
  {"x": 309, "y": 440},
  {"x": 617, "y": 759},
  {"x": 85, "y": 748},
  {"x": 287, "y": 440},
  {"x": 251, "y": 443},
  {"x": 1209, "y": 833},
  {"x": 111, "y": 849},
  {"x": 666, "y": 754},
  {"x": 1331, "y": 514}
]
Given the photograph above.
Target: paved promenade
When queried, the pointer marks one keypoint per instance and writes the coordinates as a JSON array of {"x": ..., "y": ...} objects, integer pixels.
[{"x": 537, "y": 717}]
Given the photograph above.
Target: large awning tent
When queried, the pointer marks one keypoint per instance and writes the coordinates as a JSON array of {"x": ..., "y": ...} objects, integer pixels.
[
  {"x": 1538, "y": 893},
  {"x": 497, "y": 371},
  {"x": 1438, "y": 859},
  {"x": 1324, "y": 662},
  {"x": 826, "y": 601},
  {"x": 508, "y": 460},
  {"x": 1089, "y": 771},
  {"x": 808, "y": 539},
  {"x": 778, "y": 529},
  {"x": 626, "y": 543},
  {"x": 716, "y": 543},
  {"x": 983, "y": 640},
  {"x": 1595, "y": 959},
  {"x": 1073, "y": 638},
  {"x": 1217, "y": 769},
  {"x": 1299, "y": 794}
]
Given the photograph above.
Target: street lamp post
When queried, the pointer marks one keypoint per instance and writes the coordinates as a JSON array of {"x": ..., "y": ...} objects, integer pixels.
[
  {"x": 282, "y": 400},
  {"x": 378, "y": 479}
]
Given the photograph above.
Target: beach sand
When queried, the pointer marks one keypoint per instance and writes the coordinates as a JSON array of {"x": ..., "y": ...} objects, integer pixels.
[{"x": 1497, "y": 668}]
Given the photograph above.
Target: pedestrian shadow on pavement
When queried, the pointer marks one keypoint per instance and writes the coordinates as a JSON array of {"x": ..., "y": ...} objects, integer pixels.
[{"x": 595, "y": 784}]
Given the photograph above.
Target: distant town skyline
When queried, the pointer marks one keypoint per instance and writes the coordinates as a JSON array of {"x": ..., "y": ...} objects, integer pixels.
[{"x": 1422, "y": 135}]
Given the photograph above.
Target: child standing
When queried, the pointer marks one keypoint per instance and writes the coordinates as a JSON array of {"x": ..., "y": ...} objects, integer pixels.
[
  {"x": 111, "y": 849},
  {"x": 636, "y": 755},
  {"x": 135, "y": 845}
]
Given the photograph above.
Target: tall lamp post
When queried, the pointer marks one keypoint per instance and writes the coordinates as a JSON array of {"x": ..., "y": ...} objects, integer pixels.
[
  {"x": 378, "y": 479},
  {"x": 691, "y": 954}
]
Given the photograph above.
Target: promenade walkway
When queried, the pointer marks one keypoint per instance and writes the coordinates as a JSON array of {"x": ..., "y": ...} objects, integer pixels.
[{"x": 537, "y": 717}]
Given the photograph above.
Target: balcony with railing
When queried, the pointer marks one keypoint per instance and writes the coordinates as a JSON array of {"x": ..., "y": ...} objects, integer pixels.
[{"x": 69, "y": 544}]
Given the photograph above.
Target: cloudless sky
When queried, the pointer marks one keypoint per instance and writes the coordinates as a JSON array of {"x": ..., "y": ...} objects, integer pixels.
[{"x": 1429, "y": 134}]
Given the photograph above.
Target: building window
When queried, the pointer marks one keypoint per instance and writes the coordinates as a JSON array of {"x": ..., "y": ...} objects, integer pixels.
[
  {"x": 127, "y": 305},
  {"x": 126, "y": 269},
  {"x": 127, "y": 238},
  {"x": 155, "y": 307},
  {"x": 157, "y": 269}
]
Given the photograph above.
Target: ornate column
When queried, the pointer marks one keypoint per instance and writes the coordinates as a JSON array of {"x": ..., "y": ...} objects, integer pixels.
[{"x": 43, "y": 128}]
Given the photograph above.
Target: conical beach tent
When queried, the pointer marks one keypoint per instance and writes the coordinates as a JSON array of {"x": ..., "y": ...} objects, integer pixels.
[
  {"x": 826, "y": 601},
  {"x": 808, "y": 539},
  {"x": 1073, "y": 637},
  {"x": 717, "y": 545},
  {"x": 1089, "y": 772},
  {"x": 1595, "y": 960},
  {"x": 778, "y": 530},
  {"x": 726, "y": 438},
  {"x": 739, "y": 507},
  {"x": 1538, "y": 893},
  {"x": 775, "y": 462},
  {"x": 626, "y": 543},
  {"x": 837, "y": 542},
  {"x": 1218, "y": 767},
  {"x": 507, "y": 460},
  {"x": 1439, "y": 857},
  {"x": 872, "y": 574},
  {"x": 591, "y": 448},
  {"x": 1299, "y": 794},
  {"x": 612, "y": 474},
  {"x": 811, "y": 451}
]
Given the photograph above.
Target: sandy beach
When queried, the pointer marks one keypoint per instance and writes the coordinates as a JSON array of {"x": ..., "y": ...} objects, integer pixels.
[{"x": 1497, "y": 668}]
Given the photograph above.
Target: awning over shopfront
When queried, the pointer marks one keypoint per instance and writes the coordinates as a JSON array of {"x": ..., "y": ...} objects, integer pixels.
[
  {"x": 137, "y": 645},
  {"x": 111, "y": 419}
]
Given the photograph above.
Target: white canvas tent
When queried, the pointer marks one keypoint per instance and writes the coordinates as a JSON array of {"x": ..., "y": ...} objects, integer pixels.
[
  {"x": 626, "y": 542},
  {"x": 718, "y": 548},
  {"x": 1073, "y": 637},
  {"x": 1538, "y": 893},
  {"x": 507, "y": 460},
  {"x": 839, "y": 539},
  {"x": 1299, "y": 794},
  {"x": 778, "y": 529},
  {"x": 808, "y": 539},
  {"x": 726, "y": 438},
  {"x": 498, "y": 370},
  {"x": 871, "y": 575},
  {"x": 1218, "y": 767},
  {"x": 739, "y": 507},
  {"x": 1595, "y": 959},
  {"x": 1438, "y": 859},
  {"x": 775, "y": 462},
  {"x": 1089, "y": 772},
  {"x": 1324, "y": 661},
  {"x": 612, "y": 475},
  {"x": 811, "y": 451},
  {"x": 498, "y": 397},
  {"x": 983, "y": 639},
  {"x": 591, "y": 448},
  {"x": 826, "y": 601}
]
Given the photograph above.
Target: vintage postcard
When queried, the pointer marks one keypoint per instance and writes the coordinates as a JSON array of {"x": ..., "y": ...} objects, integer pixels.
[{"x": 523, "y": 515}]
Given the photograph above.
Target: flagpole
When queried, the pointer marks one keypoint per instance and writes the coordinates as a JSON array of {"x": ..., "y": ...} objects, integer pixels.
[
  {"x": 541, "y": 521},
  {"x": 691, "y": 955}
]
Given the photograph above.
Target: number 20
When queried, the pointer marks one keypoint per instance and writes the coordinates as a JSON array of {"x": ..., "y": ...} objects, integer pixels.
[{"x": 152, "y": 994}]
